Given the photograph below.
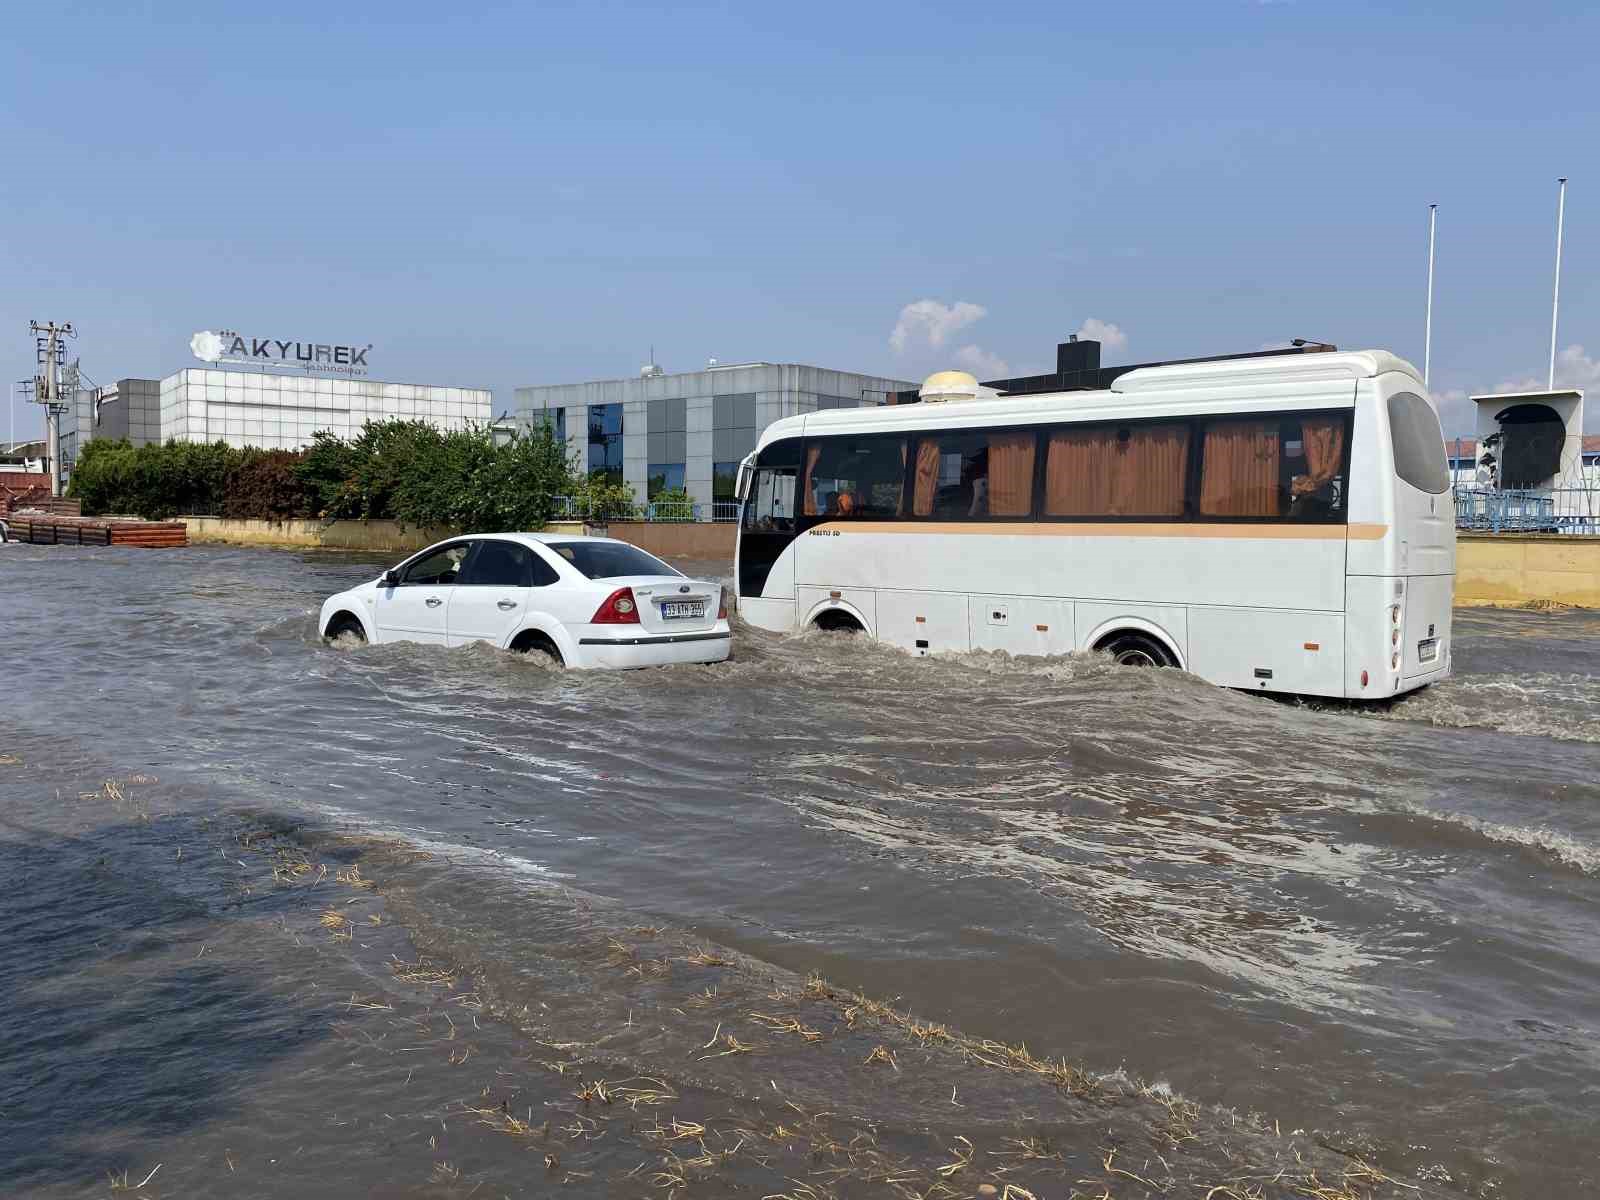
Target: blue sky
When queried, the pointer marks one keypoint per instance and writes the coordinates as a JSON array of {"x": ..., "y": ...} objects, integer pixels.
[{"x": 515, "y": 194}]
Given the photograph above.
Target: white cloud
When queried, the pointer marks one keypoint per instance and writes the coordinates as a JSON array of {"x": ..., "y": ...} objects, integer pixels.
[
  {"x": 931, "y": 322},
  {"x": 1574, "y": 369},
  {"x": 982, "y": 363},
  {"x": 1457, "y": 415},
  {"x": 1108, "y": 335}
]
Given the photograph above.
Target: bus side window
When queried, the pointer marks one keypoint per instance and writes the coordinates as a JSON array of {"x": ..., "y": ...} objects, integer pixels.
[
  {"x": 1241, "y": 460},
  {"x": 770, "y": 508},
  {"x": 971, "y": 476},
  {"x": 1274, "y": 468},
  {"x": 850, "y": 476},
  {"x": 1315, "y": 464}
]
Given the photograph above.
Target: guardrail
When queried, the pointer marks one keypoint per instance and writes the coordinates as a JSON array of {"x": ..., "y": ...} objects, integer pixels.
[
  {"x": 664, "y": 512},
  {"x": 1528, "y": 510}
]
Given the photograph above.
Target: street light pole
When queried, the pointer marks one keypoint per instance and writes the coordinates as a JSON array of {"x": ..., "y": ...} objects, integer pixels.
[
  {"x": 1427, "y": 336},
  {"x": 1555, "y": 304}
]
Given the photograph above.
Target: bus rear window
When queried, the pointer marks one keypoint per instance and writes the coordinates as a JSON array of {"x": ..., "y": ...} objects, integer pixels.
[{"x": 1418, "y": 443}]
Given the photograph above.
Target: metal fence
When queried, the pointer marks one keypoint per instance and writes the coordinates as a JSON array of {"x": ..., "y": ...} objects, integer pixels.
[
  {"x": 1573, "y": 510},
  {"x": 663, "y": 512}
]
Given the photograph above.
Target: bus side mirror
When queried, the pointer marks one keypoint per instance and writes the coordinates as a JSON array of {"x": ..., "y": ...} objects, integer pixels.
[{"x": 747, "y": 470}]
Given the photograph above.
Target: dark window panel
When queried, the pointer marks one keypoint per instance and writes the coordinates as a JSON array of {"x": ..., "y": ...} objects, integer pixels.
[{"x": 664, "y": 477}]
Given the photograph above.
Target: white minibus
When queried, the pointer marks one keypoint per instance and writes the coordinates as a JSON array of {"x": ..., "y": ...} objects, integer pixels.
[{"x": 1280, "y": 523}]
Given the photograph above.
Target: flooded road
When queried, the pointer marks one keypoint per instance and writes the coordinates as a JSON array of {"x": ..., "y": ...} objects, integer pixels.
[{"x": 1377, "y": 927}]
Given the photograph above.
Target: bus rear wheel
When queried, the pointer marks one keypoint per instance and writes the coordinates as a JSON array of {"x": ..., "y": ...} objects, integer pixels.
[
  {"x": 834, "y": 620},
  {"x": 1132, "y": 649}
]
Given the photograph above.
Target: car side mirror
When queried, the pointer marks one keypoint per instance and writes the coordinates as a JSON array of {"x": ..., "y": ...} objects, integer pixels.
[{"x": 391, "y": 578}]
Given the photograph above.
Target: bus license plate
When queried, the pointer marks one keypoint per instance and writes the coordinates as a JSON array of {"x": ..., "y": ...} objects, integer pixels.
[
  {"x": 1428, "y": 650},
  {"x": 683, "y": 608}
]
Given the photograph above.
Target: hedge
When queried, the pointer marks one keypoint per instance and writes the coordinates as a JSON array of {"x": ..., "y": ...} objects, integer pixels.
[{"x": 397, "y": 470}]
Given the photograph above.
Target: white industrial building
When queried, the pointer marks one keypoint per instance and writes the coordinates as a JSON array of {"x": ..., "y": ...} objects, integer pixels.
[{"x": 283, "y": 411}]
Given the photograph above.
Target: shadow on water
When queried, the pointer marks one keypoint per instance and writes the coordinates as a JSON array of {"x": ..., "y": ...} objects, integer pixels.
[{"x": 128, "y": 1010}]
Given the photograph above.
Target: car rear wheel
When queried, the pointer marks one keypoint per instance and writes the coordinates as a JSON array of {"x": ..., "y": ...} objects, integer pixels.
[{"x": 535, "y": 642}]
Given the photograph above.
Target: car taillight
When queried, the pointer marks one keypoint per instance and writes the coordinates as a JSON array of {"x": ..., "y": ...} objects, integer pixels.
[
  {"x": 620, "y": 608},
  {"x": 722, "y": 606}
]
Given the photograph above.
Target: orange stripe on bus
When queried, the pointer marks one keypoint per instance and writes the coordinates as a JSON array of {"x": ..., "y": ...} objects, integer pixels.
[{"x": 1355, "y": 532}]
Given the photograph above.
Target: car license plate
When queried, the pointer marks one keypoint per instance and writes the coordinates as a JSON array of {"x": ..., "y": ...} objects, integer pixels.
[
  {"x": 1428, "y": 650},
  {"x": 677, "y": 609}
]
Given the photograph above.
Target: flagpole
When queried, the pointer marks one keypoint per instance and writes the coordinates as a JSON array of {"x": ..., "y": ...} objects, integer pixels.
[
  {"x": 1427, "y": 337},
  {"x": 1555, "y": 304}
]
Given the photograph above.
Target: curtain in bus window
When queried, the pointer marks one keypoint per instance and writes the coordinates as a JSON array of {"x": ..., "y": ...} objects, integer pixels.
[
  {"x": 809, "y": 497},
  {"x": 1239, "y": 477},
  {"x": 927, "y": 483},
  {"x": 1324, "y": 450},
  {"x": 1112, "y": 471},
  {"x": 900, "y": 500},
  {"x": 1010, "y": 474}
]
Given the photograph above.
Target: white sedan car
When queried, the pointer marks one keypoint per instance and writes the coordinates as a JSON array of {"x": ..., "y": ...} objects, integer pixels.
[{"x": 584, "y": 601}]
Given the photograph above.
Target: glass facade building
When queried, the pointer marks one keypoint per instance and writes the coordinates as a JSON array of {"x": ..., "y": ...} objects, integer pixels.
[{"x": 658, "y": 432}]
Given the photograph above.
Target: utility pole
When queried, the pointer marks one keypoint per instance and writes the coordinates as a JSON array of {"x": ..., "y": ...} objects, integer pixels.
[{"x": 47, "y": 389}]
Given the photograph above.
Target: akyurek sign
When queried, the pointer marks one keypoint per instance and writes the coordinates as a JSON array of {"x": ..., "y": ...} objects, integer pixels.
[{"x": 230, "y": 347}]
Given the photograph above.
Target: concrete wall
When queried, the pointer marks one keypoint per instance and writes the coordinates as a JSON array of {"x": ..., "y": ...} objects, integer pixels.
[
  {"x": 1527, "y": 568},
  {"x": 686, "y": 540},
  {"x": 381, "y": 536}
]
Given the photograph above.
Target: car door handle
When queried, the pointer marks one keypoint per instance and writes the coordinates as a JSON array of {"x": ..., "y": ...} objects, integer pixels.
[
  {"x": 507, "y": 605},
  {"x": 433, "y": 602}
]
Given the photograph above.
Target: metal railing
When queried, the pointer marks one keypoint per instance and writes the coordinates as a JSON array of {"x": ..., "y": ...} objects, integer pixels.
[
  {"x": 659, "y": 512},
  {"x": 1574, "y": 510}
]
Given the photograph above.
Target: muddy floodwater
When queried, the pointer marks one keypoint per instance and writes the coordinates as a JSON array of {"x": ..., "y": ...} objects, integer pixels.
[{"x": 281, "y": 918}]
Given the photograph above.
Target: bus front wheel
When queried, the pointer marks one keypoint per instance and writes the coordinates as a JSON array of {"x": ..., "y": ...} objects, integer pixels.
[{"x": 1130, "y": 649}]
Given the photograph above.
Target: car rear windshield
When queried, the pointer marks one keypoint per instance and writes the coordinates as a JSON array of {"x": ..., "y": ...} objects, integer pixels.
[{"x": 608, "y": 560}]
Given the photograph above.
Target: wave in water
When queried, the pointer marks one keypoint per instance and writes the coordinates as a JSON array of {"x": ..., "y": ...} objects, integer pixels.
[
  {"x": 1563, "y": 847},
  {"x": 1565, "y": 707}
]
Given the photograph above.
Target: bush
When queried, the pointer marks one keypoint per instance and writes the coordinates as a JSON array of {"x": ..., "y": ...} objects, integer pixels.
[
  {"x": 595, "y": 498},
  {"x": 672, "y": 504},
  {"x": 152, "y": 481},
  {"x": 265, "y": 484}
]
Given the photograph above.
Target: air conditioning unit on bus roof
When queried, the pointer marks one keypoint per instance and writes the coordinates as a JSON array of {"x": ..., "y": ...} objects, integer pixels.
[{"x": 944, "y": 386}]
